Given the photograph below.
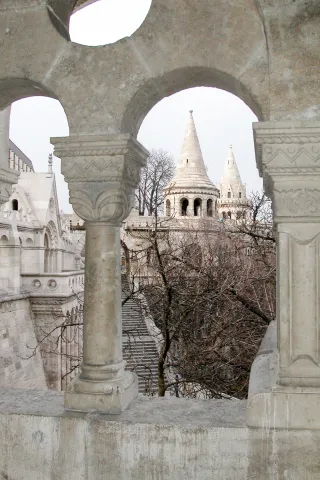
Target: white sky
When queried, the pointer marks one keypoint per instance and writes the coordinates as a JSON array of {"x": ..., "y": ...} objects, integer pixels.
[{"x": 221, "y": 118}]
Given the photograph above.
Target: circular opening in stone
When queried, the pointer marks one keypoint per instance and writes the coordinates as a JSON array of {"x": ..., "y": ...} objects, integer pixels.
[{"x": 107, "y": 21}]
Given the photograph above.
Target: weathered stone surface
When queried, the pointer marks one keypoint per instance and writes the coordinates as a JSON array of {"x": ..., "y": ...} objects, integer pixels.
[{"x": 156, "y": 439}]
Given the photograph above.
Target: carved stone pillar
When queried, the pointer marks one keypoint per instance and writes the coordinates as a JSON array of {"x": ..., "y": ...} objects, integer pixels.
[
  {"x": 288, "y": 156},
  {"x": 7, "y": 176},
  {"x": 102, "y": 173}
]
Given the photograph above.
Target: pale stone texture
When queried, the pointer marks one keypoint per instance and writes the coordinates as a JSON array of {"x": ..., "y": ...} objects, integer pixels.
[
  {"x": 288, "y": 156},
  {"x": 156, "y": 439},
  {"x": 102, "y": 173},
  {"x": 16, "y": 335},
  {"x": 232, "y": 201},
  {"x": 191, "y": 189}
]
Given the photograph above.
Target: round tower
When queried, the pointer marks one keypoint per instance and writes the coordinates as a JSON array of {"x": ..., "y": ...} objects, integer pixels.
[
  {"x": 232, "y": 203},
  {"x": 191, "y": 192}
]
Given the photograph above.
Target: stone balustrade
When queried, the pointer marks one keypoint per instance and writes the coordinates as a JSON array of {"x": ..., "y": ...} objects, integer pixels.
[{"x": 64, "y": 283}]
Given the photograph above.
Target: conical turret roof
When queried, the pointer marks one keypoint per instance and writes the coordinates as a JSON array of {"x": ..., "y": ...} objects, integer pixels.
[
  {"x": 191, "y": 171},
  {"x": 231, "y": 180}
]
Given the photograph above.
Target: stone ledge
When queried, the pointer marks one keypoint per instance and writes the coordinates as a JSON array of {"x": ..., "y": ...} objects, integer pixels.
[
  {"x": 155, "y": 410},
  {"x": 155, "y": 439}
]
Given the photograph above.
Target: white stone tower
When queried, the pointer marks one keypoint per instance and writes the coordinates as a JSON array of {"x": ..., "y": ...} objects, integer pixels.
[
  {"x": 233, "y": 202},
  {"x": 191, "y": 192}
]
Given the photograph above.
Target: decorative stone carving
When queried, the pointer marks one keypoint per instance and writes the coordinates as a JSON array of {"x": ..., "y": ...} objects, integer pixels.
[
  {"x": 299, "y": 202},
  {"x": 288, "y": 156},
  {"x": 7, "y": 179},
  {"x": 102, "y": 173}
]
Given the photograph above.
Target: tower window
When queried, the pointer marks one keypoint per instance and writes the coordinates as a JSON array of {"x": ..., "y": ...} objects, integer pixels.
[
  {"x": 239, "y": 194},
  {"x": 229, "y": 194},
  {"x": 15, "y": 205},
  {"x": 184, "y": 206},
  {"x": 197, "y": 204}
]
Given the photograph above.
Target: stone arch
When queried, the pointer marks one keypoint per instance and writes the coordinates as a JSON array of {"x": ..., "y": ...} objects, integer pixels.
[
  {"x": 29, "y": 242},
  {"x": 155, "y": 89},
  {"x": 15, "y": 204},
  {"x": 4, "y": 240},
  {"x": 13, "y": 89},
  {"x": 184, "y": 204},
  {"x": 209, "y": 207},
  {"x": 197, "y": 207}
]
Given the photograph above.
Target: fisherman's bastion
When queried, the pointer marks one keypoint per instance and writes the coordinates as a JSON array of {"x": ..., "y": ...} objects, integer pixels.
[{"x": 266, "y": 52}]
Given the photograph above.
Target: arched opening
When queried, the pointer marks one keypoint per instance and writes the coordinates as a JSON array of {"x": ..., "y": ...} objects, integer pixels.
[
  {"x": 184, "y": 202},
  {"x": 224, "y": 215},
  {"x": 168, "y": 208},
  {"x": 229, "y": 214},
  {"x": 239, "y": 195},
  {"x": 229, "y": 195},
  {"x": 197, "y": 207},
  {"x": 209, "y": 208},
  {"x": 4, "y": 240},
  {"x": 15, "y": 204},
  {"x": 32, "y": 122},
  {"x": 178, "y": 80},
  {"x": 103, "y": 22},
  {"x": 46, "y": 253}
]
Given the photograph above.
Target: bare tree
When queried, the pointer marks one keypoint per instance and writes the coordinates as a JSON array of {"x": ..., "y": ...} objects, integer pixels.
[
  {"x": 211, "y": 294},
  {"x": 154, "y": 177}
]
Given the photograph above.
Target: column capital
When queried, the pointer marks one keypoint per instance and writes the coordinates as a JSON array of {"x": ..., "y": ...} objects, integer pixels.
[
  {"x": 288, "y": 159},
  {"x": 8, "y": 178},
  {"x": 102, "y": 172}
]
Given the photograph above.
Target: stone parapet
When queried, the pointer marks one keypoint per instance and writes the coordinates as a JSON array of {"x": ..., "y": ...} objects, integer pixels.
[
  {"x": 156, "y": 438},
  {"x": 288, "y": 158}
]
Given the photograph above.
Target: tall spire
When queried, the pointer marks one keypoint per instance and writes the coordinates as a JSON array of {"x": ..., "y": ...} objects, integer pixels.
[
  {"x": 191, "y": 170},
  {"x": 231, "y": 180}
]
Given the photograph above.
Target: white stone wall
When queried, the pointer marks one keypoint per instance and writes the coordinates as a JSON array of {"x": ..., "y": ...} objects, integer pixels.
[{"x": 16, "y": 333}]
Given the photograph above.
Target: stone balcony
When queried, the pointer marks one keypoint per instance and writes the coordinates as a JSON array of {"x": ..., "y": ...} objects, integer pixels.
[{"x": 52, "y": 284}]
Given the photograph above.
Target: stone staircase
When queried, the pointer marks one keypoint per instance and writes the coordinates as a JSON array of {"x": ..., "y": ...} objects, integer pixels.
[{"x": 139, "y": 348}]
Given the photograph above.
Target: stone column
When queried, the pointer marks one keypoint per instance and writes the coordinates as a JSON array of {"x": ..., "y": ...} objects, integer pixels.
[
  {"x": 288, "y": 157},
  {"x": 102, "y": 173},
  {"x": 7, "y": 176}
]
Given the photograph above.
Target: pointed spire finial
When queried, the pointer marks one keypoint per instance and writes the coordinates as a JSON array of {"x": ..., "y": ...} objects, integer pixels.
[
  {"x": 191, "y": 111},
  {"x": 50, "y": 162}
]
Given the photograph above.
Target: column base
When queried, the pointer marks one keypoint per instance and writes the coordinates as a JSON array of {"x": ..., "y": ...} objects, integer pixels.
[
  {"x": 111, "y": 396},
  {"x": 285, "y": 407}
]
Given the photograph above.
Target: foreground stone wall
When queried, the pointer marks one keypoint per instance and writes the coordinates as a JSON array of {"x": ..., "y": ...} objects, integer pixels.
[
  {"x": 16, "y": 332},
  {"x": 155, "y": 439}
]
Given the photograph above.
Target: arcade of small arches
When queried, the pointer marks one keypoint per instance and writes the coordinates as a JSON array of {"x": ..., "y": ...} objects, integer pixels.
[
  {"x": 104, "y": 123},
  {"x": 192, "y": 207}
]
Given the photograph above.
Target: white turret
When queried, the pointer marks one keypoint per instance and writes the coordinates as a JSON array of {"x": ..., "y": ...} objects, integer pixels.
[
  {"x": 233, "y": 202},
  {"x": 191, "y": 192}
]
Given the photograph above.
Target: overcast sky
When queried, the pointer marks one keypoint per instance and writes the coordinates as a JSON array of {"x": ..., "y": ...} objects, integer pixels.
[{"x": 221, "y": 118}]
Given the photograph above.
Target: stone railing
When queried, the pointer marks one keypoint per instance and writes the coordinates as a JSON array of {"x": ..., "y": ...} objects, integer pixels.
[
  {"x": 64, "y": 283},
  {"x": 21, "y": 216}
]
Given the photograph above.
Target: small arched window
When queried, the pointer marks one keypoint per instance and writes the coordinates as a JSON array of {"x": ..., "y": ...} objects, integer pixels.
[
  {"x": 15, "y": 205},
  {"x": 229, "y": 214},
  {"x": 224, "y": 215},
  {"x": 229, "y": 194},
  {"x": 184, "y": 206},
  {"x": 197, "y": 204},
  {"x": 239, "y": 194}
]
